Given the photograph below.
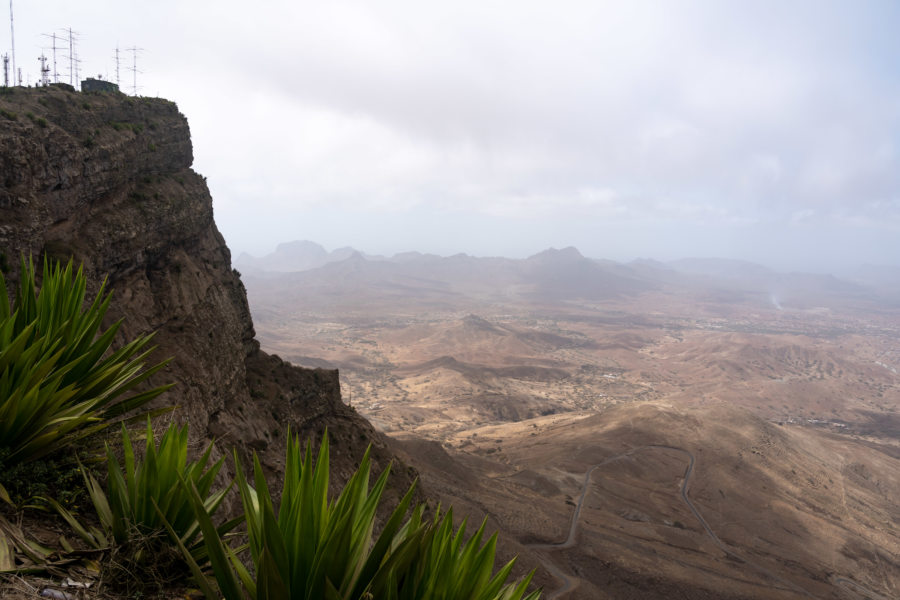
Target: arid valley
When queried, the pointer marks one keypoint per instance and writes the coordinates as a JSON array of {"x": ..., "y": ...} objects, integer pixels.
[
  {"x": 696, "y": 429},
  {"x": 450, "y": 300}
]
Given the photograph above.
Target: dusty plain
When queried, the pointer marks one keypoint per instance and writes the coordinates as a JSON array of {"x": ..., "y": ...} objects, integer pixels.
[{"x": 661, "y": 433}]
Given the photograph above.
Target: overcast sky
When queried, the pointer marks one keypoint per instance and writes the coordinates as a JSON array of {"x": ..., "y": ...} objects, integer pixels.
[{"x": 768, "y": 131}]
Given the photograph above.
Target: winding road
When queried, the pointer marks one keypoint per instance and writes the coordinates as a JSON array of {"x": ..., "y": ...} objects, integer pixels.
[{"x": 569, "y": 582}]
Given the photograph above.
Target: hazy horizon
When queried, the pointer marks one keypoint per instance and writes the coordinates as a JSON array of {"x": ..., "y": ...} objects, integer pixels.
[
  {"x": 767, "y": 132},
  {"x": 368, "y": 253}
]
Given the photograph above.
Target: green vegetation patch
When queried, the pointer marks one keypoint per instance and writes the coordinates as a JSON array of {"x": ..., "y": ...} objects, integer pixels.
[
  {"x": 313, "y": 547},
  {"x": 60, "y": 380}
]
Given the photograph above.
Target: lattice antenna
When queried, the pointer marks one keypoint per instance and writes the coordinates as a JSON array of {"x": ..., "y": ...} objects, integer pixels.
[
  {"x": 133, "y": 68},
  {"x": 6, "y": 70},
  {"x": 72, "y": 56},
  {"x": 118, "y": 81},
  {"x": 77, "y": 74},
  {"x": 45, "y": 70},
  {"x": 53, "y": 36},
  {"x": 12, "y": 39}
]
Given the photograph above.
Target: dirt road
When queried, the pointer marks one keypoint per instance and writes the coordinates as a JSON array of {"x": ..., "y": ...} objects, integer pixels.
[{"x": 570, "y": 582}]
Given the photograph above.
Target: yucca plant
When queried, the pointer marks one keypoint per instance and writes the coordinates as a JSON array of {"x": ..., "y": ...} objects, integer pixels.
[
  {"x": 145, "y": 497},
  {"x": 313, "y": 548},
  {"x": 60, "y": 381}
]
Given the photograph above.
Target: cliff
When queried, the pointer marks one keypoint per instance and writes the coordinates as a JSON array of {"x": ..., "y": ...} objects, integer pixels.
[{"x": 107, "y": 179}]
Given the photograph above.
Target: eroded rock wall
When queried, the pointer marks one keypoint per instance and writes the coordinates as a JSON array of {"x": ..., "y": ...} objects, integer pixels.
[{"x": 107, "y": 179}]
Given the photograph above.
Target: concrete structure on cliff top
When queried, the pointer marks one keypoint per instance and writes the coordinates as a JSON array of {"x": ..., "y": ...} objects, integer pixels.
[{"x": 98, "y": 85}]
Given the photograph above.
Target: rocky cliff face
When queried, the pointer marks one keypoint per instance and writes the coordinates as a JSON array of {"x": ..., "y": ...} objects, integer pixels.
[{"x": 107, "y": 179}]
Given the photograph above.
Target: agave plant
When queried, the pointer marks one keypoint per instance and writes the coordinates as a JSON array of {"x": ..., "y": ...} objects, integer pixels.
[
  {"x": 313, "y": 548},
  {"x": 146, "y": 497},
  {"x": 448, "y": 568},
  {"x": 59, "y": 379}
]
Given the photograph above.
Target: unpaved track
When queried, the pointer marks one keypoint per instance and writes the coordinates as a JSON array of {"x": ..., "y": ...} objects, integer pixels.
[
  {"x": 570, "y": 582},
  {"x": 685, "y": 485}
]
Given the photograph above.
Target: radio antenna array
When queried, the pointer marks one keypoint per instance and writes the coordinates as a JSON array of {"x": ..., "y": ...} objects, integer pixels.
[
  {"x": 73, "y": 57},
  {"x": 54, "y": 37},
  {"x": 133, "y": 68}
]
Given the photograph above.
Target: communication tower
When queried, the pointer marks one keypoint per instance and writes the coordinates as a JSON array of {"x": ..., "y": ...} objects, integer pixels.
[
  {"x": 118, "y": 81},
  {"x": 12, "y": 38},
  {"x": 73, "y": 57},
  {"x": 53, "y": 37},
  {"x": 45, "y": 70},
  {"x": 6, "y": 70},
  {"x": 133, "y": 68}
]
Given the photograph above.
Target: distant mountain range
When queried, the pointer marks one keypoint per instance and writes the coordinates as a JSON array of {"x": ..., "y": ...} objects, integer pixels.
[
  {"x": 305, "y": 271},
  {"x": 291, "y": 257}
]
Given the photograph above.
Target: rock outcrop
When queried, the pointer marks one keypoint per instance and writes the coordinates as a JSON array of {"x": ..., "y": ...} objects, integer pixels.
[{"x": 107, "y": 179}]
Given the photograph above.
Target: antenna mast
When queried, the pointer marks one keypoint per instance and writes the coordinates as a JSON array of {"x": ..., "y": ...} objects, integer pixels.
[
  {"x": 74, "y": 61},
  {"x": 6, "y": 70},
  {"x": 71, "y": 56},
  {"x": 118, "y": 81},
  {"x": 134, "y": 70},
  {"x": 55, "y": 73},
  {"x": 12, "y": 37}
]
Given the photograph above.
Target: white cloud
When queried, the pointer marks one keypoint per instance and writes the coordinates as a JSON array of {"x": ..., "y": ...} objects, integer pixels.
[{"x": 696, "y": 112}]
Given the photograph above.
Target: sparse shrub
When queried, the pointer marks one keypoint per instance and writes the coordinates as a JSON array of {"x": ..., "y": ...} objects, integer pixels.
[
  {"x": 39, "y": 121},
  {"x": 6, "y": 114},
  {"x": 88, "y": 142}
]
